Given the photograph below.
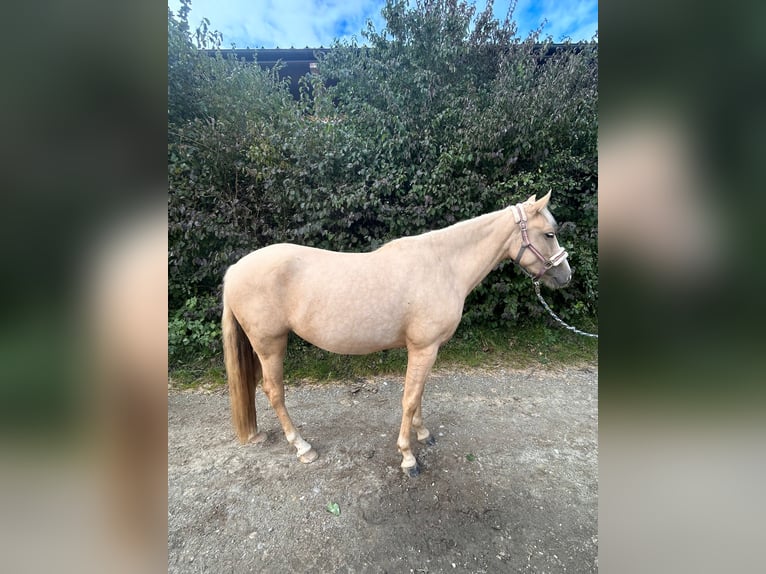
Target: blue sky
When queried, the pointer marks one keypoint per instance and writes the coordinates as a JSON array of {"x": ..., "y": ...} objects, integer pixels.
[{"x": 314, "y": 23}]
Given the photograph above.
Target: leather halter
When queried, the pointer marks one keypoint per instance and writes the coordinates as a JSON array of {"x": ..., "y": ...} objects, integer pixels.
[{"x": 556, "y": 259}]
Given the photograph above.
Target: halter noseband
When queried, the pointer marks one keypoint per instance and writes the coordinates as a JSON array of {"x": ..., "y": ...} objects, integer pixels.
[{"x": 521, "y": 218}]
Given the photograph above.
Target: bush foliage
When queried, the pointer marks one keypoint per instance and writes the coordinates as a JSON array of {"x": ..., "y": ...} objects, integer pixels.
[{"x": 443, "y": 115}]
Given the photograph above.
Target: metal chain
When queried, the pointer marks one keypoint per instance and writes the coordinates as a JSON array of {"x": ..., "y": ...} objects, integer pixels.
[{"x": 540, "y": 297}]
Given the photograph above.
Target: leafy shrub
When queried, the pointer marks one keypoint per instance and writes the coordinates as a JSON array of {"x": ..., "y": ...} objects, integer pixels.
[
  {"x": 446, "y": 114},
  {"x": 194, "y": 330}
]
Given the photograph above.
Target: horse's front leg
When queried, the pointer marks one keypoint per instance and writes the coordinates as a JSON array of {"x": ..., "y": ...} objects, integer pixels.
[
  {"x": 419, "y": 363},
  {"x": 423, "y": 434}
]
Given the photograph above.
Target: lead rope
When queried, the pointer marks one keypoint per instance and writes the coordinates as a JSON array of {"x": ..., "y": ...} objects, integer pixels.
[{"x": 540, "y": 297}]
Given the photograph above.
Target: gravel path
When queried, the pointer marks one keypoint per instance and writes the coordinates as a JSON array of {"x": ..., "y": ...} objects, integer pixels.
[{"x": 510, "y": 486}]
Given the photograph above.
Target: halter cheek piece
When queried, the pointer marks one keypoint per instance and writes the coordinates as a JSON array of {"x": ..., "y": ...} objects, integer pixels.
[{"x": 521, "y": 218}]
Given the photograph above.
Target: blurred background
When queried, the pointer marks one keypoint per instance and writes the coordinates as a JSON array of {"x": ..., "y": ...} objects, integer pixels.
[
  {"x": 681, "y": 184},
  {"x": 84, "y": 293},
  {"x": 680, "y": 191},
  {"x": 84, "y": 308}
]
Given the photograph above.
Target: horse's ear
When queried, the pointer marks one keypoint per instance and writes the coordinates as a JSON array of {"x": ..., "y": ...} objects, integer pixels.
[
  {"x": 540, "y": 203},
  {"x": 532, "y": 199}
]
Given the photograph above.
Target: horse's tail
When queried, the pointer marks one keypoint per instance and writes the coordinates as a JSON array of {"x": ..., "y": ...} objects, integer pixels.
[{"x": 243, "y": 369}]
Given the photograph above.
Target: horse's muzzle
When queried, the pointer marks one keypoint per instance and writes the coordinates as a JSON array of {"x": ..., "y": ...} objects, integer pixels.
[{"x": 557, "y": 277}]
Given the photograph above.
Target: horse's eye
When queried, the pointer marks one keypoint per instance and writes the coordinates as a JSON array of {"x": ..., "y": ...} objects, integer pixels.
[{"x": 550, "y": 235}]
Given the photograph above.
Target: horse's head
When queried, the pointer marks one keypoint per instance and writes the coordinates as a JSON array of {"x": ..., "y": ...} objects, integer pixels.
[{"x": 535, "y": 248}]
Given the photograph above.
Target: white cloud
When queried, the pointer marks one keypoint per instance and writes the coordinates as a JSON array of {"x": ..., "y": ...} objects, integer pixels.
[
  {"x": 301, "y": 23},
  {"x": 284, "y": 23}
]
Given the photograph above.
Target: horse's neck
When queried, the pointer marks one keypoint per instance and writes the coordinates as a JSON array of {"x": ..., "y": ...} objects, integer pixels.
[{"x": 474, "y": 247}]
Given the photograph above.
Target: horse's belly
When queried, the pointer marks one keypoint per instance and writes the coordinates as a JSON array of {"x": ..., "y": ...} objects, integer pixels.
[{"x": 350, "y": 334}]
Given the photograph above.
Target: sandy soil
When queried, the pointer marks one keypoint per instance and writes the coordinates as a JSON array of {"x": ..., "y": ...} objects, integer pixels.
[{"x": 510, "y": 486}]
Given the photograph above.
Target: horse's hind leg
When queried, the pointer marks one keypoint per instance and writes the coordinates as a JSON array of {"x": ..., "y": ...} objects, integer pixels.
[{"x": 273, "y": 386}]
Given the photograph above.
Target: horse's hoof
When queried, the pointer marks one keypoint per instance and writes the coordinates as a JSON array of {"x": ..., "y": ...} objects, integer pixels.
[
  {"x": 412, "y": 471},
  {"x": 429, "y": 440},
  {"x": 308, "y": 456},
  {"x": 258, "y": 438}
]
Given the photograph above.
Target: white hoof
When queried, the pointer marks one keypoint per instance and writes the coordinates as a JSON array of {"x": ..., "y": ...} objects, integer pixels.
[{"x": 308, "y": 456}]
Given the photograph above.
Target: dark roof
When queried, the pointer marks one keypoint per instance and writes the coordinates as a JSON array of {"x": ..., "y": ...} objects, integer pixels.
[
  {"x": 297, "y": 61},
  {"x": 273, "y": 55}
]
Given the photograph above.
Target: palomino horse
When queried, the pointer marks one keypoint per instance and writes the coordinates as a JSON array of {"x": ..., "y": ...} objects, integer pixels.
[{"x": 409, "y": 293}]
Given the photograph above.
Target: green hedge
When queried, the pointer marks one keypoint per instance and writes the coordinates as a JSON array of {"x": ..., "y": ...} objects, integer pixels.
[{"x": 443, "y": 115}]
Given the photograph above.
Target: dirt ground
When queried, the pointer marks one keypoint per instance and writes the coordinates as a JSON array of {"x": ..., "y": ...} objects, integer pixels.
[{"x": 510, "y": 486}]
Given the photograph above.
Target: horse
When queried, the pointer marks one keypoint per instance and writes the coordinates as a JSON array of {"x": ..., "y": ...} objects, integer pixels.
[{"x": 408, "y": 293}]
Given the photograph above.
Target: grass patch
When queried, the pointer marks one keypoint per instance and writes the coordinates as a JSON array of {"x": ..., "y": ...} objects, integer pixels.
[
  {"x": 521, "y": 347},
  {"x": 203, "y": 373}
]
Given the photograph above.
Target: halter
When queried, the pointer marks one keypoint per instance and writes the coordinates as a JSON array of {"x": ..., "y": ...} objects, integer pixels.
[{"x": 521, "y": 218}]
